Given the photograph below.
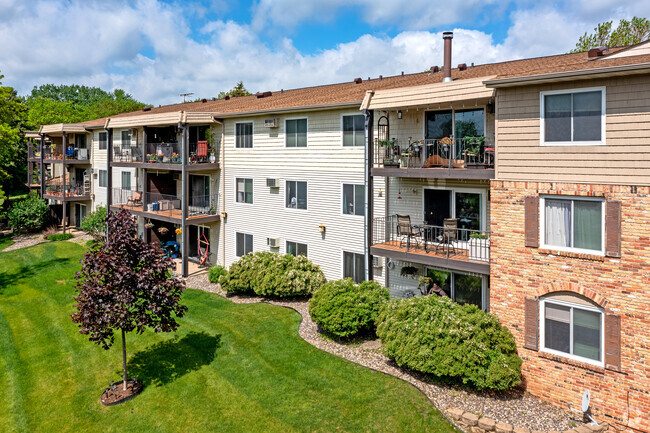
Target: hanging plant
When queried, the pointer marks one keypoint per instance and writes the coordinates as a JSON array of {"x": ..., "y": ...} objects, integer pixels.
[
  {"x": 163, "y": 230},
  {"x": 179, "y": 231},
  {"x": 408, "y": 271},
  {"x": 148, "y": 226}
]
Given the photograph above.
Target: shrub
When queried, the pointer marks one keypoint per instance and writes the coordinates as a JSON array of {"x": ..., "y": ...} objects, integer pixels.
[
  {"x": 29, "y": 214},
  {"x": 272, "y": 274},
  {"x": 344, "y": 308},
  {"x": 215, "y": 272},
  {"x": 95, "y": 224},
  {"x": 60, "y": 237},
  {"x": 435, "y": 335}
]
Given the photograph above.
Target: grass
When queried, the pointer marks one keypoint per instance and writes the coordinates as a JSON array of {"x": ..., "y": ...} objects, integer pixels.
[
  {"x": 5, "y": 241},
  {"x": 230, "y": 367}
]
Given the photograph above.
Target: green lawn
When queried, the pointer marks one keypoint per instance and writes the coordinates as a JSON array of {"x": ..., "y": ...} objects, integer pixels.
[
  {"x": 229, "y": 367},
  {"x": 5, "y": 241}
]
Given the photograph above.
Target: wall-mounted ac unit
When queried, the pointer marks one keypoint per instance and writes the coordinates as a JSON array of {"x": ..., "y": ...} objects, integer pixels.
[
  {"x": 377, "y": 262},
  {"x": 273, "y": 242},
  {"x": 271, "y": 123},
  {"x": 272, "y": 183}
]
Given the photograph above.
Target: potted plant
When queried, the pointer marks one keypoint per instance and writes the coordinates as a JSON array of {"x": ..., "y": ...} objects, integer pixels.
[
  {"x": 152, "y": 158},
  {"x": 179, "y": 231},
  {"x": 148, "y": 225},
  {"x": 176, "y": 158},
  {"x": 389, "y": 153},
  {"x": 163, "y": 230},
  {"x": 213, "y": 155},
  {"x": 479, "y": 247}
]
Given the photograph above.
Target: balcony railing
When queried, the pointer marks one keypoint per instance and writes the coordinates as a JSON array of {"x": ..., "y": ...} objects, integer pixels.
[
  {"x": 70, "y": 153},
  {"x": 77, "y": 190},
  {"x": 452, "y": 243},
  {"x": 468, "y": 152},
  {"x": 161, "y": 153},
  {"x": 164, "y": 204}
]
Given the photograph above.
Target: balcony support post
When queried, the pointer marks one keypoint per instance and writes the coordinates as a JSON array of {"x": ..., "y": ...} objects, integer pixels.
[
  {"x": 184, "y": 202},
  {"x": 144, "y": 144},
  {"x": 65, "y": 183},
  {"x": 368, "y": 214},
  {"x": 145, "y": 188},
  {"x": 42, "y": 168},
  {"x": 30, "y": 164}
]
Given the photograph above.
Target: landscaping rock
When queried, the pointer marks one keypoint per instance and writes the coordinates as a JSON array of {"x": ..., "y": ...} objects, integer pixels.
[
  {"x": 486, "y": 424},
  {"x": 455, "y": 414},
  {"x": 521, "y": 430},
  {"x": 470, "y": 419},
  {"x": 502, "y": 427}
]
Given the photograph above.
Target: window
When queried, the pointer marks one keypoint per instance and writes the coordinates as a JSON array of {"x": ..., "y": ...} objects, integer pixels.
[
  {"x": 199, "y": 193},
  {"x": 103, "y": 140},
  {"x": 296, "y": 249},
  {"x": 80, "y": 141},
  {"x": 244, "y": 135},
  {"x": 456, "y": 123},
  {"x": 296, "y": 194},
  {"x": 103, "y": 178},
  {"x": 462, "y": 288},
  {"x": 573, "y": 224},
  {"x": 573, "y": 330},
  {"x": 354, "y": 133},
  {"x": 244, "y": 244},
  {"x": 126, "y": 180},
  {"x": 575, "y": 117},
  {"x": 353, "y": 199},
  {"x": 126, "y": 138},
  {"x": 354, "y": 266},
  {"x": 244, "y": 190},
  {"x": 296, "y": 132}
]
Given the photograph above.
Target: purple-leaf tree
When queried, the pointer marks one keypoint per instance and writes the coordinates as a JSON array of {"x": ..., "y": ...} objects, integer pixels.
[{"x": 126, "y": 285}]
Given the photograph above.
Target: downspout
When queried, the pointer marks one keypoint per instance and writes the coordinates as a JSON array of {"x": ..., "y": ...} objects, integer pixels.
[{"x": 184, "y": 193}]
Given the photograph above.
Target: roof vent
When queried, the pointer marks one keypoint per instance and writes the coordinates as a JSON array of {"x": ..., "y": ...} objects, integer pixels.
[
  {"x": 263, "y": 94},
  {"x": 381, "y": 77},
  {"x": 402, "y": 73},
  {"x": 358, "y": 80},
  {"x": 146, "y": 109},
  {"x": 227, "y": 97},
  {"x": 462, "y": 66},
  {"x": 203, "y": 101},
  {"x": 595, "y": 52},
  {"x": 435, "y": 69}
]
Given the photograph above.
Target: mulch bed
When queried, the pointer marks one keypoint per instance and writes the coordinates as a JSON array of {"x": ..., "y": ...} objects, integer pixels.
[{"x": 118, "y": 395}]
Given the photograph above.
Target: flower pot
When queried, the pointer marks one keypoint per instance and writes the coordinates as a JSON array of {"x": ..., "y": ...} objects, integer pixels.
[
  {"x": 150, "y": 207},
  {"x": 212, "y": 158},
  {"x": 479, "y": 249}
]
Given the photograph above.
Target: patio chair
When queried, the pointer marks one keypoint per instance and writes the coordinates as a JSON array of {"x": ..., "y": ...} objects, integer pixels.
[
  {"x": 448, "y": 236},
  {"x": 117, "y": 153},
  {"x": 406, "y": 231},
  {"x": 136, "y": 198}
]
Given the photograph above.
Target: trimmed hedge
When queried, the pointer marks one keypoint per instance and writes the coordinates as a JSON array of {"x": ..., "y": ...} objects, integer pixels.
[
  {"x": 435, "y": 335},
  {"x": 344, "y": 308},
  {"x": 215, "y": 272},
  {"x": 29, "y": 214},
  {"x": 273, "y": 274},
  {"x": 60, "y": 237}
]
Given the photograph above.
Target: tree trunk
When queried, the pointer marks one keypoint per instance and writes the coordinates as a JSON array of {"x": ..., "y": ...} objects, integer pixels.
[{"x": 124, "y": 359}]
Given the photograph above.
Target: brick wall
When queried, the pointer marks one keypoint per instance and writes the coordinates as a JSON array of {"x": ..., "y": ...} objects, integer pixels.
[{"x": 621, "y": 286}]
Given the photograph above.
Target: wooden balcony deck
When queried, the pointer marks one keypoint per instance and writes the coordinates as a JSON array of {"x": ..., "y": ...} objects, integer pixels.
[
  {"x": 458, "y": 260},
  {"x": 171, "y": 215}
]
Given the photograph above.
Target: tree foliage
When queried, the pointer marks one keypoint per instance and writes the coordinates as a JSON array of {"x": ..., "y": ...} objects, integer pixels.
[
  {"x": 627, "y": 33},
  {"x": 238, "y": 90},
  {"x": 29, "y": 214},
  {"x": 13, "y": 115},
  {"x": 126, "y": 285}
]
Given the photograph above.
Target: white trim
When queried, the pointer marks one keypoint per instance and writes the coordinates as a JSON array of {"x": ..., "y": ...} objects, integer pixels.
[
  {"x": 245, "y": 234},
  {"x": 306, "y": 194},
  {"x": 306, "y": 133},
  {"x": 252, "y": 190},
  {"x": 355, "y": 146},
  {"x": 542, "y": 127},
  {"x": 542, "y": 224},
  {"x": 252, "y": 133},
  {"x": 346, "y": 215},
  {"x": 542, "y": 333}
]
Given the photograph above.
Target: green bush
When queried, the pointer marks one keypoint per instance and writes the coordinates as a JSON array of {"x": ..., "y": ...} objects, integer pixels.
[
  {"x": 60, "y": 237},
  {"x": 344, "y": 308},
  {"x": 273, "y": 274},
  {"x": 215, "y": 272},
  {"x": 95, "y": 224},
  {"x": 435, "y": 335},
  {"x": 29, "y": 214}
]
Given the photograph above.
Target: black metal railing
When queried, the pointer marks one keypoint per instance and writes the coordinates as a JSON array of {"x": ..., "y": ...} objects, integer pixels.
[
  {"x": 468, "y": 152},
  {"x": 127, "y": 153},
  {"x": 447, "y": 241},
  {"x": 67, "y": 154},
  {"x": 165, "y": 204},
  {"x": 76, "y": 190}
]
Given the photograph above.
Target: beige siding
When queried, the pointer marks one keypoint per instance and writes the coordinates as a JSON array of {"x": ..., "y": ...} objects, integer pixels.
[{"x": 622, "y": 160}]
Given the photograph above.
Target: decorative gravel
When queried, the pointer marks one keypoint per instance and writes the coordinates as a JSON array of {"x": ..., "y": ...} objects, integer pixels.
[
  {"x": 515, "y": 407},
  {"x": 26, "y": 240}
]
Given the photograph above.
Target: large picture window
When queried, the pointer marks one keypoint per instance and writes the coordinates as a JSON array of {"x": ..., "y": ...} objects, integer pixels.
[
  {"x": 572, "y": 330},
  {"x": 244, "y": 135},
  {"x": 354, "y": 267},
  {"x": 353, "y": 199},
  {"x": 244, "y": 243},
  {"x": 573, "y": 224},
  {"x": 296, "y": 132},
  {"x": 296, "y": 194},
  {"x": 573, "y": 117},
  {"x": 456, "y": 123},
  {"x": 354, "y": 133},
  {"x": 244, "y": 190}
]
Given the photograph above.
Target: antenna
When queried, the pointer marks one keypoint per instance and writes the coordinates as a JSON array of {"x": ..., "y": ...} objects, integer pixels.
[
  {"x": 184, "y": 95},
  {"x": 586, "y": 397}
]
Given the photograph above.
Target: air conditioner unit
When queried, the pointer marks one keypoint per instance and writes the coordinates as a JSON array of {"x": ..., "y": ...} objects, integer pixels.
[
  {"x": 377, "y": 262},
  {"x": 273, "y": 242},
  {"x": 271, "y": 123},
  {"x": 272, "y": 183}
]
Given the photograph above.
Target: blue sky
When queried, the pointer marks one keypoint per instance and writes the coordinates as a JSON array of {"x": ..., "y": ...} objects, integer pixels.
[{"x": 156, "y": 49}]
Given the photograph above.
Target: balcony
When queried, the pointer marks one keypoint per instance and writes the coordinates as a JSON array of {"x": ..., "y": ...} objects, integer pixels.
[
  {"x": 164, "y": 156},
  {"x": 71, "y": 155},
  {"x": 163, "y": 207},
  {"x": 467, "y": 158},
  {"x": 453, "y": 248},
  {"x": 75, "y": 192}
]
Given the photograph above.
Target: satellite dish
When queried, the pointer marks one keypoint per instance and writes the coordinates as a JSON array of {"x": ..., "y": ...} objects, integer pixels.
[{"x": 585, "y": 401}]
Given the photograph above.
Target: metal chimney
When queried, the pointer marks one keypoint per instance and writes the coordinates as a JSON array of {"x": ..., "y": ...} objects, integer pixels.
[{"x": 446, "y": 68}]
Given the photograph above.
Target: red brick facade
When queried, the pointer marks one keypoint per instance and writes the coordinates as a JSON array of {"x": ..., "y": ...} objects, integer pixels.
[{"x": 620, "y": 286}]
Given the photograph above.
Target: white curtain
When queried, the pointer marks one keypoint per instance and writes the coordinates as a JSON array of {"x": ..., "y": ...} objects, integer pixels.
[{"x": 558, "y": 222}]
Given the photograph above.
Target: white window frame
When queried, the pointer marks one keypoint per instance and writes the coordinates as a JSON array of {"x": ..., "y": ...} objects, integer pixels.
[
  {"x": 343, "y": 262},
  {"x": 252, "y": 242},
  {"x": 286, "y": 247},
  {"x": 306, "y": 133},
  {"x": 542, "y": 331},
  {"x": 130, "y": 140},
  {"x": 364, "y": 200},
  {"x": 343, "y": 132},
  {"x": 252, "y": 134},
  {"x": 306, "y": 198},
  {"x": 542, "y": 224},
  {"x": 99, "y": 140},
  {"x": 485, "y": 296},
  {"x": 452, "y": 208},
  {"x": 122, "y": 180},
  {"x": 99, "y": 180},
  {"x": 253, "y": 189},
  {"x": 542, "y": 126}
]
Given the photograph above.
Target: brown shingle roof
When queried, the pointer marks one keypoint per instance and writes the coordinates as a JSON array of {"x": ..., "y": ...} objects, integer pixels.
[{"x": 353, "y": 93}]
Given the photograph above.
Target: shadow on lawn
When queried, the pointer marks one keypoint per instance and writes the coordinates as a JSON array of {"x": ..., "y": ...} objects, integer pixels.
[
  {"x": 166, "y": 361},
  {"x": 8, "y": 279}
]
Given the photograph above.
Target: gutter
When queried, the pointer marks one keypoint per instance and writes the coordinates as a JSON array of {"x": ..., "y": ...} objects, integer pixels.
[
  {"x": 638, "y": 68},
  {"x": 289, "y": 109}
]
